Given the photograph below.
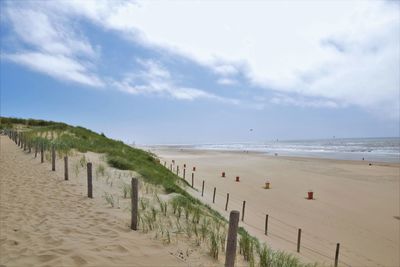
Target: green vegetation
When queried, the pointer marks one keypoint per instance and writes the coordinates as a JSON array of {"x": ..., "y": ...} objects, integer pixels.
[
  {"x": 119, "y": 155},
  {"x": 109, "y": 199},
  {"x": 126, "y": 190},
  {"x": 100, "y": 170},
  {"x": 181, "y": 216}
]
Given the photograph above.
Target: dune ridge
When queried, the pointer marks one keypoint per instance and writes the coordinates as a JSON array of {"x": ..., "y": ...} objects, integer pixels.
[{"x": 45, "y": 221}]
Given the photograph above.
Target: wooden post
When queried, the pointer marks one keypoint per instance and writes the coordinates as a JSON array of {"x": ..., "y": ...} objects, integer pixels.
[
  {"x": 177, "y": 170},
  {"x": 232, "y": 239},
  {"x": 184, "y": 173},
  {"x": 53, "y": 158},
  {"x": 29, "y": 147},
  {"x": 66, "y": 168},
  {"x": 243, "y": 208},
  {"x": 89, "y": 180},
  {"x": 41, "y": 154},
  {"x": 24, "y": 144},
  {"x": 170, "y": 167},
  {"x": 337, "y": 254},
  {"x": 202, "y": 189},
  {"x": 266, "y": 224},
  {"x": 36, "y": 150},
  {"x": 298, "y": 240},
  {"x": 215, "y": 189},
  {"x": 134, "y": 202},
  {"x": 227, "y": 201},
  {"x": 192, "y": 179}
]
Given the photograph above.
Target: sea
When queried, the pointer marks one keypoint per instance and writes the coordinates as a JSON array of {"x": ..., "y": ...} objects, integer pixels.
[{"x": 369, "y": 149}]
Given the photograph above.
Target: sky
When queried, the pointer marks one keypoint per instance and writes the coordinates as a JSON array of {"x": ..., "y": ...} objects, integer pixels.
[{"x": 175, "y": 72}]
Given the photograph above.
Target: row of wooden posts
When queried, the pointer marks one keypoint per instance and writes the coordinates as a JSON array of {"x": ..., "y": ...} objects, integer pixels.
[
  {"x": 233, "y": 218},
  {"x": 244, "y": 208},
  {"x": 19, "y": 139},
  {"x": 233, "y": 221}
]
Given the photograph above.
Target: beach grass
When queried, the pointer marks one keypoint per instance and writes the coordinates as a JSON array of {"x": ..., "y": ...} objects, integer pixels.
[{"x": 200, "y": 220}]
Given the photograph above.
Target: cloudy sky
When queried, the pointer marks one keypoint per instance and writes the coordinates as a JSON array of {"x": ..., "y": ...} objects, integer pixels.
[{"x": 204, "y": 71}]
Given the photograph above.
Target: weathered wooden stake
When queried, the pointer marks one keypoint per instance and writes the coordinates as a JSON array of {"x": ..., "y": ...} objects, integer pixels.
[
  {"x": 202, "y": 189},
  {"x": 243, "y": 208},
  {"x": 53, "y": 158},
  {"x": 227, "y": 201},
  {"x": 192, "y": 180},
  {"x": 184, "y": 173},
  {"x": 215, "y": 189},
  {"x": 134, "y": 200},
  {"x": 41, "y": 154},
  {"x": 66, "y": 168},
  {"x": 337, "y": 254},
  {"x": 266, "y": 224},
  {"x": 177, "y": 170},
  {"x": 232, "y": 239},
  {"x": 36, "y": 150},
  {"x": 89, "y": 180},
  {"x": 29, "y": 147},
  {"x": 298, "y": 240}
]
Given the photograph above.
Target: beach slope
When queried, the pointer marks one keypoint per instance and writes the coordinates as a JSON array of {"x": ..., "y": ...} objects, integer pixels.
[{"x": 44, "y": 221}]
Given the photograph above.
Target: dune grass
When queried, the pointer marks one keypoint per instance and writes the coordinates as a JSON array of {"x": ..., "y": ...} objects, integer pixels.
[{"x": 199, "y": 220}]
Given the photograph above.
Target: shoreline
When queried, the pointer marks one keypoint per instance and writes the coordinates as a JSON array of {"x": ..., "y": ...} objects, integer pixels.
[{"x": 269, "y": 155}]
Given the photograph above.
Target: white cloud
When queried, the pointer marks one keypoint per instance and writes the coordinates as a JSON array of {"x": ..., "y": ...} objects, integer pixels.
[
  {"x": 227, "y": 81},
  {"x": 51, "y": 45},
  {"x": 154, "y": 79},
  {"x": 57, "y": 66},
  {"x": 302, "y": 102},
  {"x": 226, "y": 70},
  {"x": 346, "y": 51},
  {"x": 48, "y": 34}
]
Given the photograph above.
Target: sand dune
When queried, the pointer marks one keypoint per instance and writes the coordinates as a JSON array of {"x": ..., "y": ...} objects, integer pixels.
[
  {"x": 356, "y": 205},
  {"x": 45, "y": 221}
]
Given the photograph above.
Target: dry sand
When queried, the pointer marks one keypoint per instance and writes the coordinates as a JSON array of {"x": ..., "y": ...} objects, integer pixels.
[
  {"x": 46, "y": 221},
  {"x": 355, "y": 204}
]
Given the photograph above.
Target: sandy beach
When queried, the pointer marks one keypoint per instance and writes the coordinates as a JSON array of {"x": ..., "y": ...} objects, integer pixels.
[
  {"x": 46, "y": 221},
  {"x": 354, "y": 204}
]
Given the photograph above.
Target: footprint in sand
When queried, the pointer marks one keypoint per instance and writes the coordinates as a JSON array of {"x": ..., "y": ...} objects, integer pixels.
[
  {"x": 46, "y": 257},
  {"x": 78, "y": 260}
]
